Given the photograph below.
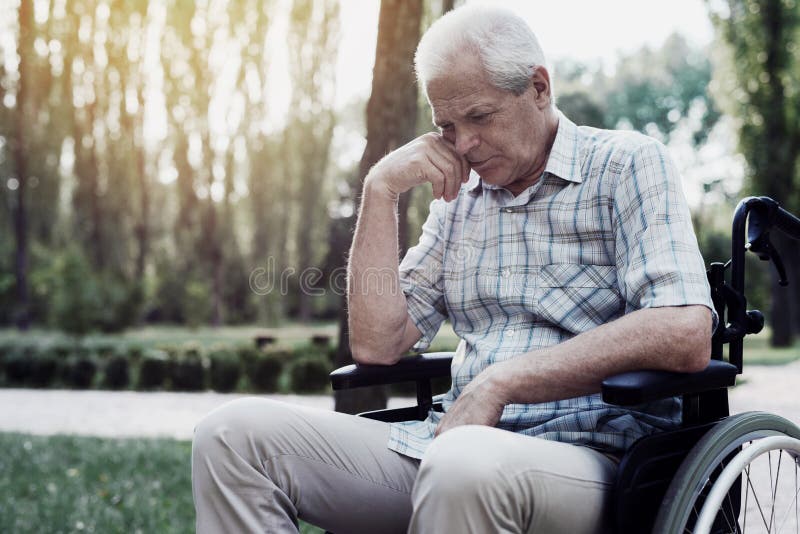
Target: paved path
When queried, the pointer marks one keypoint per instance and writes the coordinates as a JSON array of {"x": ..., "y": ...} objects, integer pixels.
[
  {"x": 123, "y": 413},
  {"x": 773, "y": 389},
  {"x": 133, "y": 414}
]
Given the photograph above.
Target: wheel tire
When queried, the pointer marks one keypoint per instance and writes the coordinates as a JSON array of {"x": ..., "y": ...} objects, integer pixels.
[{"x": 678, "y": 509}]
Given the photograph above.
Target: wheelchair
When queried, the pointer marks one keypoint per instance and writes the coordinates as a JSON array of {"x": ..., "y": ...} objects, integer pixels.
[{"x": 716, "y": 473}]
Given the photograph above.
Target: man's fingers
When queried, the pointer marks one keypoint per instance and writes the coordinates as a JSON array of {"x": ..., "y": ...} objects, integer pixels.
[
  {"x": 450, "y": 171},
  {"x": 463, "y": 164},
  {"x": 436, "y": 177},
  {"x": 429, "y": 158}
]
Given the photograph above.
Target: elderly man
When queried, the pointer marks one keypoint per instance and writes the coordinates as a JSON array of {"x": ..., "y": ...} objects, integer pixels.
[{"x": 561, "y": 255}]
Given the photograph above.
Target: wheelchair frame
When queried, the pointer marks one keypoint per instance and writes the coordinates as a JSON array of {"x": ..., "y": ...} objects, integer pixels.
[{"x": 650, "y": 465}]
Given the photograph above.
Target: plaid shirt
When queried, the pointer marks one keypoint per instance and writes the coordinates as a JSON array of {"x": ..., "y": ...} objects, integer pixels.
[{"x": 605, "y": 231}]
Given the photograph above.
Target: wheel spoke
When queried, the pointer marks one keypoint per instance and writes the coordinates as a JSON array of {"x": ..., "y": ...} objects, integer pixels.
[
  {"x": 725, "y": 513},
  {"x": 789, "y": 509},
  {"x": 758, "y": 504},
  {"x": 786, "y": 515},
  {"x": 746, "y": 496},
  {"x": 775, "y": 489},
  {"x": 769, "y": 459}
]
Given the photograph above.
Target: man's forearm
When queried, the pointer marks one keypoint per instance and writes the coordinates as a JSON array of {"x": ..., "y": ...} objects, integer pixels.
[
  {"x": 669, "y": 339},
  {"x": 377, "y": 307}
]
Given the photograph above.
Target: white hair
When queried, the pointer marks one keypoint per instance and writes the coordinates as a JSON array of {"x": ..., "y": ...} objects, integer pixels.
[{"x": 504, "y": 43}]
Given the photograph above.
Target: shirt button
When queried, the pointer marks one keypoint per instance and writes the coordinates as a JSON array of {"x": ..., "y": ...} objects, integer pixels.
[
  {"x": 507, "y": 272},
  {"x": 508, "y": 210},
  {"x": 510, "y": 331}
]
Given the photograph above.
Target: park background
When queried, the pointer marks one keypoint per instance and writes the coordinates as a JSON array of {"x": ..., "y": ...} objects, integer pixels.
[{"x": 179, "y": 181}]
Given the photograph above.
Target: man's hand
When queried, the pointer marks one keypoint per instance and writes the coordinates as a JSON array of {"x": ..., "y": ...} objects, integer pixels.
[
  {"x": 481, "y": 402},
  {"x": 428, "y": 158}
]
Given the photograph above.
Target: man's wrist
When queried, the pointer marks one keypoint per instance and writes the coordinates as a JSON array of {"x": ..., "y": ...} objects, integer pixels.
[
  {"x": 374, "y": 186},
  {"x": 501, "y": 380}
]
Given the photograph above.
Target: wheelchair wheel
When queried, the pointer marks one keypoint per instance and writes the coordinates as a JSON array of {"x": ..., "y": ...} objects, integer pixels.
[{"x": 743, "y": 476}]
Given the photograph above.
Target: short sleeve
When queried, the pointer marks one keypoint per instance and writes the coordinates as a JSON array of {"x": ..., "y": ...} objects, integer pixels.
[
  {"x": 421, "y": 278},
  {"x": 657, "y": 257}
]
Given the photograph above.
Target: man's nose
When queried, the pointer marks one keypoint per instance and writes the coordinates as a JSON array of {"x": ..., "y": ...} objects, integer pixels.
[{"x": 466, "y": 140}]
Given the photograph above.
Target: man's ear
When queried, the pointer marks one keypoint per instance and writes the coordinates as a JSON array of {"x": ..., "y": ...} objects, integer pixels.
[{"x": 540, "y": 81}]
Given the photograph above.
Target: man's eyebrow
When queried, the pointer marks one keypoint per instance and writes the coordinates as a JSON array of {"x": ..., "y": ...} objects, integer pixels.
[
  {"x": 480, "y": 108},
  {"x": 476, "y": 109}
]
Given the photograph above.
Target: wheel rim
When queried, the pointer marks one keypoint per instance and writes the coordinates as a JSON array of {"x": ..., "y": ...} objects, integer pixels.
[
  {"x": 770, "y": 473},
  {"x": 691, "y": 484}
]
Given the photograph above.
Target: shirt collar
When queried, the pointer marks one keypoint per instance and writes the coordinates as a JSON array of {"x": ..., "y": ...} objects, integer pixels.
[
  {"x": 562, "y": 161},
  {"x": 564, "y": 155}
]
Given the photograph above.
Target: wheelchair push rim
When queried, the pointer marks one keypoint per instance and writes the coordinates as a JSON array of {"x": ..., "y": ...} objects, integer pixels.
[{"x": 741, "y": 439}]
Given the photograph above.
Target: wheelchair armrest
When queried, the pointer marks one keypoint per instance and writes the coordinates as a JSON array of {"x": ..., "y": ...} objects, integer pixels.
[
  {"x": 408, "y": 369},
  {"x": 637, "y": 387}
]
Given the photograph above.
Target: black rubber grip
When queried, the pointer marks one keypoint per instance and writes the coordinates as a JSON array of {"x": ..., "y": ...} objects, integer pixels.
[
  {"x": 408, "y": 369},
  {"x": 787, "y": 223}
]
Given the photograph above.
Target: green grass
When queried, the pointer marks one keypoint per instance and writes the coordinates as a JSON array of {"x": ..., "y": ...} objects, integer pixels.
[
  {"x": 70, "y": 484},
  {"x": 758, "y": 352},
  {"x": 77, "y": 484}
]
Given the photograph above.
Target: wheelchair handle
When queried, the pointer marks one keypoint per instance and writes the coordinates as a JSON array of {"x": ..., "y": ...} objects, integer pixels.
[
  {"x": 769, "y": 213},
  {"x": 786, "y": 222},
  {"x": 764, "y": 214}
]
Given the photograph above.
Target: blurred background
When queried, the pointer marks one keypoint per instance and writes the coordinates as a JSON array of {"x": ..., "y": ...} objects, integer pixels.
[
  {"x": 179, "y": 181},
  {"x": 158, "y": 158}
]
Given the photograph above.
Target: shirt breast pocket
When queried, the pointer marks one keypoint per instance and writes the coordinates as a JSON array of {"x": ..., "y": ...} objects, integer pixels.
[{"x": 578, "y": 297}]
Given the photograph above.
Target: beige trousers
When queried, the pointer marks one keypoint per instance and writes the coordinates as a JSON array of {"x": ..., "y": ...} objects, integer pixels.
[{"x": 258, "y": 465}]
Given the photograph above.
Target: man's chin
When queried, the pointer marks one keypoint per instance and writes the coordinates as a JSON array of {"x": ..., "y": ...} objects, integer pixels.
[{"x": 491, "y": 177}]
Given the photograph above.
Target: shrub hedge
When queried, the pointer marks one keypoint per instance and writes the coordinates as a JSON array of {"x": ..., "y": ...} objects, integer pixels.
[
  {"x": 81, "y": 371},
  {"x": 44, "y": 369},
  {"x": 117, "y": 373},
  {"x": 265, "y": 370},
  {"x": 225, "y": 370},
  {"x": 189, "y": 367},
  {"x": 187, "y": 372},
  {"x": 153, "y": 370},
  {"x": 309, "y": 374},
  {"x": 18, "y": 365}
]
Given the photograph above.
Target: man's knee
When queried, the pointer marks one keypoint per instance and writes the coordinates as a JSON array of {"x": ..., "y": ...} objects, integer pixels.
[
  {"x": 232, "y": 425},
  {"x": 457, "y": 462}
]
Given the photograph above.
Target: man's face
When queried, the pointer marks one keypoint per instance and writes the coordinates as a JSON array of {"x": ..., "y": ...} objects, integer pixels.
[{"x": 506, "y": 138}]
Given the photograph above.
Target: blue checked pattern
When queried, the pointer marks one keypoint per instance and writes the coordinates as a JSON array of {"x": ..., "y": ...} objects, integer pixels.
[{"x": 605, "y": 231}]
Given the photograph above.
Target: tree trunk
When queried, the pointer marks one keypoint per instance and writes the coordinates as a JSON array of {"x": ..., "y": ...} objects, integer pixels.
[
  {"x": 391, "y": 122},
  {"x": 92, "y": 177},
  {"x": 143, "y": 225},
  {"x": 20, "y": 146},
  {"x": 215, "y": 259},
  {"x": 775, "y": 158}
]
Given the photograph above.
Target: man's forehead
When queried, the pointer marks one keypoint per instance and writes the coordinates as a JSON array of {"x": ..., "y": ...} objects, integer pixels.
[{"x": 447, "y": 95}]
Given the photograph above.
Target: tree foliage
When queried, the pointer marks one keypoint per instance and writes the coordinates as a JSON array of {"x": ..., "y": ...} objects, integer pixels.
[
  {"x": 758, "y": 82},
  {"x": 651, "y": 91},
  {"x": 149, "y": 166},
  {"x": 132, "y": 134}
]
